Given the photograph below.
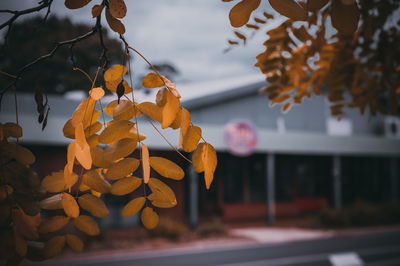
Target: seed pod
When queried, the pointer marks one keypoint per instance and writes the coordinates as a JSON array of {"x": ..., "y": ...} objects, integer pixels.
[{"x": 120, "y": 90}]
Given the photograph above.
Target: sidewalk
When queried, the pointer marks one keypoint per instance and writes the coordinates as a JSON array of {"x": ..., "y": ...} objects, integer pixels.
[{"x": 236, "y": 238}]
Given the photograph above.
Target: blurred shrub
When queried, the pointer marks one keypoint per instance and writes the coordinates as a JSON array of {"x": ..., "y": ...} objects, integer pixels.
[
  {"x": 361, "y": 214},
  {"x": 212, "y": 228},
  {"x": 169, "y": 229}
]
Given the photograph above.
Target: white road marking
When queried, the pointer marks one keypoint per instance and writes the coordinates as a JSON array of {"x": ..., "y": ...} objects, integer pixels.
[{"x": 345, "y": 259}]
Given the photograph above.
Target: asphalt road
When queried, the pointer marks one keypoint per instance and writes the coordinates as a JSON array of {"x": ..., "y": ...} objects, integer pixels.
[{"x": 380, "y": 249}]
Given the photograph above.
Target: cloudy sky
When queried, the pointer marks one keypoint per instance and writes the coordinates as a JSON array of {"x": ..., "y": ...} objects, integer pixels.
[{"x": 189, "y": 34}]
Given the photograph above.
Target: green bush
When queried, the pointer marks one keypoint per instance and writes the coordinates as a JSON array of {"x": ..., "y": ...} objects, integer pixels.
[{"x": 361, "y": 214}]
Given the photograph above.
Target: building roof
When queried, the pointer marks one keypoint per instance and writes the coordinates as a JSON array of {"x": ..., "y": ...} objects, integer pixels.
[{"x": 195, "y": 96}]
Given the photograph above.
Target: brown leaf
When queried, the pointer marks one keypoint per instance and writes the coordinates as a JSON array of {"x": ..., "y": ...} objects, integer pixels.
[{"x": 114, "y": 23}]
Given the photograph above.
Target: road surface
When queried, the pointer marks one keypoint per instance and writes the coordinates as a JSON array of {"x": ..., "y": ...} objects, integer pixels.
[{"x": 380, "y": 249}]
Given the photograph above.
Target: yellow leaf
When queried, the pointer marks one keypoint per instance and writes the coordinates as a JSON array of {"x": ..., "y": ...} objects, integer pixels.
[
  {"x": 114, "y": 23},
  {"x": 96, "y": 93},
  {"x": 74, "y": 242},
  {"x": 84, "y": 113},
  {"x": 87, "y": 225},
  {"x": 157, "y": 201},
  {"x": 110, "y": 107},
  {"x": 164, "y": 192},
  {"x": 93, "y": 129},
  {"x": 83, "y": 155},
  {"x": 145, "y": 163},
  {"x": 113, "y": 84},
  {"x": 210, "y": 163},
  {"x": 93, "y": 180},
  {"x": 152, "y": 110},
  {"x": 161, "y": 97},
  {"x": 80, "y": 135},
  {"x": 133, "y": 207},
  {"x": 94, "y": 205},
  {"x": 240, "y": 13},
  {"x": 191, "y": 138},
  {"x": 169, "y": 110},
  {"x": 54, "y": 224},
  {"x": 119, "y": 149},
  {"x": 99, "y": 158},
  {"x": 75, "y": 4},
  {"x": 70, "y": 206},
  {"x": 93, "y": 141},
  {"x": 54, "y": 246},
  {"x": 149, "y": 218},
  {"x": 125, "y": 110},
  {"x": 115, "y": 131},
  {"x": 117, "y": 8},
  {"x": 289, "y": 8},
  {"x": 122, "y": 168},
  {"x": 55, "y": 182},
  {"x": 184, "y": 126},
  {"x": 197, "y": 158},
  {"x": 152, "y": 80},
  {"x": 96, "y": 10},
  {"x": 52, "y": 203},
  {"x": 177, "y": 122},
  {"x": 12, "y": 130},
  {"x": 125, "y": 185},
  {"x": 115, "y": 72},
  {"x": 166, "y": 168}
]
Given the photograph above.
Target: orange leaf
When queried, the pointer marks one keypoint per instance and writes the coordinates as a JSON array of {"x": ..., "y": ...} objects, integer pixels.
[
  {"x": 145, "y": 163},
  {"x": 96, "y": 93}
]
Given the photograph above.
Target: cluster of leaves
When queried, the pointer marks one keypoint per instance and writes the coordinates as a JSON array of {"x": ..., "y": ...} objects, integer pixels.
[
  {"x": 302, "y": 57},
  {"x": 20, "y": 192},
  {"x": 99, "y": 161}
]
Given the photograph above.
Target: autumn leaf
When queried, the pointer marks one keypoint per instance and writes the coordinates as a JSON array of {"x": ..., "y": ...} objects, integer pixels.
[
  {"x": 133, "y": 207},
  {"x": 125, "y": 185},
  {"x": 93, "y": 180},
  {"x": 122, "y": 168},
  {"x": 145, "y": 163},
  {"x": 115, "y": 72},
  {"x": 152, "y": 80},
  {"x": 74, "y": 242},
  {"x": 117, "y": 8},
  {"x": 240, "y": 13},
  {"x": 96, "y": 10},
  {"x": 166, "y": 168},
  {"x": 75, "y": 4},
  {"x": 149, "y": 218},
  {"x": 115, "y": 24},
  {"x": 191, "y": 138},
  {"x": 289, "y": 8},
  {"x": 54, "y": 224},
  {"x": 70, "y": 206},
  {"x": 96, "y": 93},
  {"x": 87, "y": 225},
  {"x": 94, "y": 205}
]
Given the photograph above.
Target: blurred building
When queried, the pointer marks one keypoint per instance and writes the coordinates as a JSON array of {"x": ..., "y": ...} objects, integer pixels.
[{"x": 298, "y": 162}]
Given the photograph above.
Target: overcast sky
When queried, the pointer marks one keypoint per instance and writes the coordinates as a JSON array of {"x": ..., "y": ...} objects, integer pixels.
[{"x": 190, "y": 34}]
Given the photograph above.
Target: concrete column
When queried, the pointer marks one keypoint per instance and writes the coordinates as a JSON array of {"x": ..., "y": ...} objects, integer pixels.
[
  {"x": 270, "y": 188},
  {"x": 193, "y": 197},
  {"x": 337, "y": 182},
  {"x": 394, "y": 178}
]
